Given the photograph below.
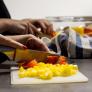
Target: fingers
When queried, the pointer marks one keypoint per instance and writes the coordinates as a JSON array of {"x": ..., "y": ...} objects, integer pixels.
[
  {"x": 46, "y": 26},
  {"x": 41, "y": 25},
  {"x": 31, "y": 42},
  {"x": 36, "y": 44},
  {"x": 29, "y": 27},
  {"x": 50, "y": 29},
  {"x": 34, "y": 30}
]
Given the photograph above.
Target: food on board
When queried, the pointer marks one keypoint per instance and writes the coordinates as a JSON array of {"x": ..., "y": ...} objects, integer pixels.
[{"x": 48, "y": 70}]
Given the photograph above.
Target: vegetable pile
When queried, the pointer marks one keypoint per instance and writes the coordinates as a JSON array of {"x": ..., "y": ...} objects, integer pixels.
[{"x": 48, "y": 70}]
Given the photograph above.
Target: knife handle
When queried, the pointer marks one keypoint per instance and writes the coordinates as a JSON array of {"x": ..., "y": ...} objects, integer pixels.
[{"x": 3, "y": 57}]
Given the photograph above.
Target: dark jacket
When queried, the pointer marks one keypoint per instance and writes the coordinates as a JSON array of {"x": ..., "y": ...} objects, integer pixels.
[{"x": 4, "y": 13}]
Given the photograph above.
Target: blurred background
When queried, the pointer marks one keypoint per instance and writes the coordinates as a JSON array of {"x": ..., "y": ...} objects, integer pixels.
[{"x": 44, "y": 8}]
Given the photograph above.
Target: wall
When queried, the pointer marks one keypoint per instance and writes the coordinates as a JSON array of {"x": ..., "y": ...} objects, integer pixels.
[{"x": 42, "y": 8}]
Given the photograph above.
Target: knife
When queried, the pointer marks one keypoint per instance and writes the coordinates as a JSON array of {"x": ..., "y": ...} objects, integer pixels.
[{"x": 27, "y": 54}]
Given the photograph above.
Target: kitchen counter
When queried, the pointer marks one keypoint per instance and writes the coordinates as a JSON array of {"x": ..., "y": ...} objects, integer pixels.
[{"x": 85, "y": 66}]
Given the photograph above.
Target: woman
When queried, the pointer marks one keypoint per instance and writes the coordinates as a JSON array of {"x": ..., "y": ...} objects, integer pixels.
[
  {"x": 22, "y": 33},
  {"x": 20, "y": 27}
]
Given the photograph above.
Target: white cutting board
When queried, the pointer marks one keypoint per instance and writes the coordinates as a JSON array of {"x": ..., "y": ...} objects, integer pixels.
[{"x": 79, "y": 77}]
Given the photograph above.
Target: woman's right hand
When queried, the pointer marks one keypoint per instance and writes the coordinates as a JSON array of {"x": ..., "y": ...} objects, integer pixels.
[{"x": 30, "y": 41}]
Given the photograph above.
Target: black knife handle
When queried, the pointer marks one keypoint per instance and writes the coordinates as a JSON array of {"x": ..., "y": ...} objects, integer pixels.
[{"x": 3, "y": 57}]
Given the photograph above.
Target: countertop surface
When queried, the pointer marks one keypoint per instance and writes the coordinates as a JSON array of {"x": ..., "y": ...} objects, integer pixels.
[{"x": 85, "y": 66}]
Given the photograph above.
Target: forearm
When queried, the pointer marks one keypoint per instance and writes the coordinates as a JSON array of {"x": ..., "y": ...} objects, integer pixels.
[
  {"x": 5, "y": 24},
  {"x": 3, "y": 40},
  {"x": 6, "y": 41}
]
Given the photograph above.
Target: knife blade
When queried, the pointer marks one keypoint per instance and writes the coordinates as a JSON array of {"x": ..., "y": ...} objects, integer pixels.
[{"x": 28, "y": 54}]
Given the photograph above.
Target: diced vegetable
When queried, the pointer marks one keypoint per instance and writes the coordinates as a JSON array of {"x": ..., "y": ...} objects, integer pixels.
[
  {"x": 62, "y": 60},
  {"x": 32, "y": 63},
  {"x": 47, "y": 71},
  {"x": 54, "y": 66},
  {"x": 52, "y": 59}
]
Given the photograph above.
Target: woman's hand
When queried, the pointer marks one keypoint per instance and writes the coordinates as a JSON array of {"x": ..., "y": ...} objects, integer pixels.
[
  {"x": 45, "y": 25},
  {"x": 30, "y": 42},
  {"x": 26, "y": 26},
  {"x": 36, "y": 44}
]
